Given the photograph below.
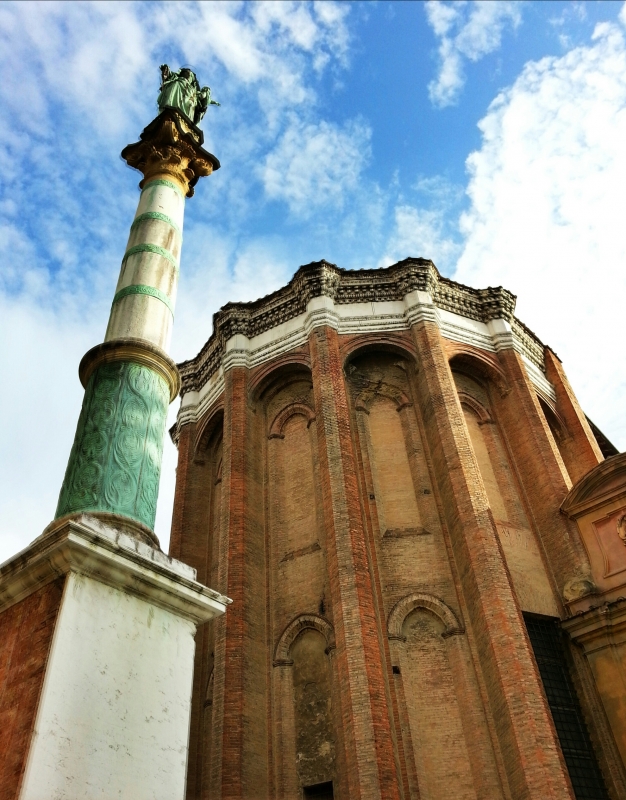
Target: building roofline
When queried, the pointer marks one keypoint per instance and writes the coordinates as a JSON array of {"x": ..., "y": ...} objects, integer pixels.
[{"x": 321, "y": 278}]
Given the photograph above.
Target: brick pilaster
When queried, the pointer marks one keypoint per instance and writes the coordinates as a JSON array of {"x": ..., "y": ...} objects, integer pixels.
[
  {"x": 181, "y": 492},
  {"x": 535, "y": 768},
  {"x": 188, "y": 543},
  {"x": 581, "y": 445},
  {"x": 228, "y": 693},
  {"x": 239, "y": 735},
  {"x": 371, "y": 761},
  {"x": 539, "y": 469}
]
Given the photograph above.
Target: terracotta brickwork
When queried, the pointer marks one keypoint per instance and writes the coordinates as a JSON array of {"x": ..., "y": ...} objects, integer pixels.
[
  {"x": 26, "y": 630},
  {"x": 381, "y": 500}
]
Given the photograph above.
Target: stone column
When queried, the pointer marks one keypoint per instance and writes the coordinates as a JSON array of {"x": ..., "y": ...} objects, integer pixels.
[
  {"x": 97, "y": 625},
  {"x": 115, "y": 462},
  {"x": 522, "y": 719}
]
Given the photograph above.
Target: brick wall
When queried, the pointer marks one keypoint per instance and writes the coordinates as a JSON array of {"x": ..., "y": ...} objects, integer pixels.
[
  {"x": 26, "y": 630},
  {"x": 349, "y": 480}
]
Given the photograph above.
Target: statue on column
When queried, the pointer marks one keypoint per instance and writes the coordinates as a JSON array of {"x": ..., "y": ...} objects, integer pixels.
[{"x": 181, "y": 90}]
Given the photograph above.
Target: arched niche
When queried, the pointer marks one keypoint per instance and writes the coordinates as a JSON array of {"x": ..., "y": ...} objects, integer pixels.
[
  {"x": 482, "y": 412},
  {"x": 210, "y": 427},
  {"x": 430, "y": 660},
  {"x": 519, "y": 542},
  {"x": 397, "y": 615},
  {"x": 279, "y": 421},
  {"x": 380, "y": 387},
  {"x": 302, "y": 695},
  {"x": 270, "y": 378},
  {"x": 296, "y": 626},
  {"x": 294, "y": 517},
  {"x": 478, "y": 364},
  {"x": 555, "y": 421},
  {"x": 397, "y": 344}
]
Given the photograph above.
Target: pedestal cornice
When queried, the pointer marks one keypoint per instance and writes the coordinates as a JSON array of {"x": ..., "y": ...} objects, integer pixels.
[{"x": 87, "y": 546}]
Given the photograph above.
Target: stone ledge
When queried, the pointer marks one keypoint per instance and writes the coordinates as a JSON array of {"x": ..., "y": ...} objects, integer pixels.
[
  {"x": 598, "y": 627},
  {"x": 86, "y": 546}
]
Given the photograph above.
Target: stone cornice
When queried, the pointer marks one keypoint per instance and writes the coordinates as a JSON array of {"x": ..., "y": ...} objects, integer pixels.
[
  {"x": 322, "y": 279},
  {"x": 599, "y": 625},
  {"x": 600, "y": 486}
]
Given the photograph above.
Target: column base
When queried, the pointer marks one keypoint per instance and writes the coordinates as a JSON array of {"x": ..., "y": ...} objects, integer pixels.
[{"x": 113, "y": 522}]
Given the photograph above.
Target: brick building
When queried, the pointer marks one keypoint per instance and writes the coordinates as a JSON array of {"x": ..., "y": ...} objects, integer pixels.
[{"x": 423, "y": 538}]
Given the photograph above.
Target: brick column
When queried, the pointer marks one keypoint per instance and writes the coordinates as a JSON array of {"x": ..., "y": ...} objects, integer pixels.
[
  {"x": 189, "y": 543},
  {"x": 539, "y": 469},
  {"x": 183, "y": 515},
  {"x": 239, "y": 737},
  {"x": 581, "y": 446},
  {"x": 371, "y": 761},
  {"x": 228, "y": 691},
  {"x": 535, "y": 768}
]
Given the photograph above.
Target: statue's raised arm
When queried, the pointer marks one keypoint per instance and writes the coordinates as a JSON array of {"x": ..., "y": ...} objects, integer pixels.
[
  {"x": 165, "y": 73},
  {"x": 182, "y": 91}
]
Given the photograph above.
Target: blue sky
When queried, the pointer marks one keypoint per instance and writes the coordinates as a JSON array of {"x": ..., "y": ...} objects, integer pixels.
[{"x": 488, "y": 136}]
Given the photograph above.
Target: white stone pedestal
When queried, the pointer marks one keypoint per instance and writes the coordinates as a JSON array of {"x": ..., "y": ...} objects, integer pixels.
[{"x": 113, "y": 713}]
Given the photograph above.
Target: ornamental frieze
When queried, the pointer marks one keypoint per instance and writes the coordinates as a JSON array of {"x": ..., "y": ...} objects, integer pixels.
[{"x": 322, "y": 279}]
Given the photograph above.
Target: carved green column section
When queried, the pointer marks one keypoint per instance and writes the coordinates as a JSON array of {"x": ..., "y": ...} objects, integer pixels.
[{"x": 115, "y": 462}]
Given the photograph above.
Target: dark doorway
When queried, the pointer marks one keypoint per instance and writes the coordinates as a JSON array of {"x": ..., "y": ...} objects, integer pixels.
[
  {"x": 546, "y": 639},
  {"x": 320, "y": 791}
]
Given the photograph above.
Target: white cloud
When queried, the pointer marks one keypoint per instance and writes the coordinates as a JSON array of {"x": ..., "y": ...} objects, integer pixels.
[
  {"x": 100, "y": 57},
  {"x": 84, "y": 80},
  {"x": 40, "y": 408},
  {"x": 467, "y": 31},
  {"x": 426, "y": 229},
  {"x": 546, "y": 216},
  {"x": 316, "y": 164},
  {"x": 420, "y": 232}
]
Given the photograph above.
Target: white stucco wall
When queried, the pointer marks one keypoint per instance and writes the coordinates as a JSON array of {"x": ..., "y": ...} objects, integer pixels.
[{"x": 113, "y": 720}]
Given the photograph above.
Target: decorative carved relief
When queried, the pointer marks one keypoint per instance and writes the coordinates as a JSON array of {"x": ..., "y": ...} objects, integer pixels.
[
  {"x": 578, "y": 587},
  {"x": 368, "y": 389},
  {"x": 115, "y": 461},
  {"x": 621, "y": 527},
  {"x": 610, "y": 534}
]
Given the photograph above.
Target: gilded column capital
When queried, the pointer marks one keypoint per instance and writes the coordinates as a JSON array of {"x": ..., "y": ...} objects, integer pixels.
[
  {"x": 137, "y": 350},
  {"x": 171, "y": 146}
]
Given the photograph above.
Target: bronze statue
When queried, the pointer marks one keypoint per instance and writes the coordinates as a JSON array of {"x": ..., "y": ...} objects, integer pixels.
[{"x": 182, "y": 91}]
